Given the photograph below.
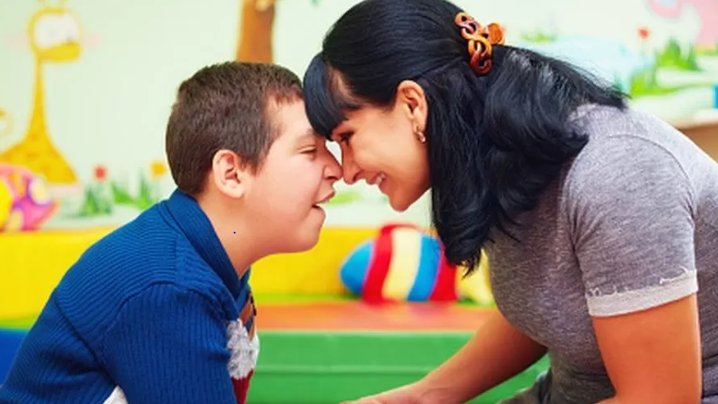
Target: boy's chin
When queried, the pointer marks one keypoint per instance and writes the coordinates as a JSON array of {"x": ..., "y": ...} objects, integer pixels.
[
  {"x": 304, "y": 243},
  {"x": 304, "y": 240},
  {"x": 301, "y": 238}
]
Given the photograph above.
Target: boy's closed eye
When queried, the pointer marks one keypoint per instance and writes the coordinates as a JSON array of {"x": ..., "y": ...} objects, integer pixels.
[{"x": 308, "y": 143}]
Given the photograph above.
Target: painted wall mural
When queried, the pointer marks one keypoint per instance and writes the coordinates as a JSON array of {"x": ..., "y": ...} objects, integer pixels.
[
  {"x": 54, "y": 35},
  {"x": 38, "y": 183},
  {"x": 256, "y": 30},
  {"x": 32, "y": 164},
  {"x": 669, "y": 72},
  {"x": 707, "y": 38}
]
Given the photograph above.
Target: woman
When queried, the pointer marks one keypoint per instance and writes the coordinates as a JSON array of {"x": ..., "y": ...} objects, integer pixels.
[{"x": 600, "y": 222}]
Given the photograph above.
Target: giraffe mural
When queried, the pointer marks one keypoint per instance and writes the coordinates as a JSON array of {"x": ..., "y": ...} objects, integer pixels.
[{"x": 54, "y": 36}]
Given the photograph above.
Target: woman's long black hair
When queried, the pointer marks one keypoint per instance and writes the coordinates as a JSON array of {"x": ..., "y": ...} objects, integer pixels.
[{"x": 494, "y": 142}]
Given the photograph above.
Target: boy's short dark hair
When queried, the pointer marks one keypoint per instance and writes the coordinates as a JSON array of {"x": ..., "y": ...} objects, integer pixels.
[{"x": 225, "y": 106}]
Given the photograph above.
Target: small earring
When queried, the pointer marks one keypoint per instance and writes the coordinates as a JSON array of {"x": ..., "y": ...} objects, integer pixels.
[{"x": 420, "y": 136}]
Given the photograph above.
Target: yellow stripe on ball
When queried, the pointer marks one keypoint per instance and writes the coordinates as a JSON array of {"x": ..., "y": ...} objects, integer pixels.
[{"x": 405, "y": 255}]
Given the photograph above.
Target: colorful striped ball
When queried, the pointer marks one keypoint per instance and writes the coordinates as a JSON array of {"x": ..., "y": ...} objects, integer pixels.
[{"x": 401, "y": 264}]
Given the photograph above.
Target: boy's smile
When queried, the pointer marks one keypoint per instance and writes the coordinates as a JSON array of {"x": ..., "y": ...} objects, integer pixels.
[{"x": 324, "y": 200}]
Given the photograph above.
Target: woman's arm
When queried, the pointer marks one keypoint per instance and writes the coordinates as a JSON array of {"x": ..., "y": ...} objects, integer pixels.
[
  {"x": 653, "y": 356},
  {"x": 497, "y": 352},
  {"x": 634, "y": 216}
]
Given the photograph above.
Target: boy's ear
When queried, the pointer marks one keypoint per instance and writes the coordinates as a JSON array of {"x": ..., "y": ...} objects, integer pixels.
[{"x": 230, "y": 174}]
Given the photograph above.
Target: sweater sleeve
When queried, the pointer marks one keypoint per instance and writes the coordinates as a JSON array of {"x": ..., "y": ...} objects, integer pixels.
[{"x": 169, "y": 345}]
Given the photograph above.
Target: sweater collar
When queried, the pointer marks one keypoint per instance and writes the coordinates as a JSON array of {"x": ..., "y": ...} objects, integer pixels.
[{"x": 197, "y": 228}]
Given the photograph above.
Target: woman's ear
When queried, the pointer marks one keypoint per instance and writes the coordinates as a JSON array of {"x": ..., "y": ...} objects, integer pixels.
[{"x": 411, "y": 95}]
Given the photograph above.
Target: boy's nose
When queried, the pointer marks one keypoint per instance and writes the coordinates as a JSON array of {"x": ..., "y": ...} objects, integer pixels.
[{"x": 333, "y": 171}]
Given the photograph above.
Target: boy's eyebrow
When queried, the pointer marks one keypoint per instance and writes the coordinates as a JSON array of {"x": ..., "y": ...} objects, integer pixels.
[{"x": 309, "y": 134}]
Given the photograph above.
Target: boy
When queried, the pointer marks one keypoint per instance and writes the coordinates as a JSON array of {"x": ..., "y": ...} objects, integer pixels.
[{"x": 160, "y": 311}]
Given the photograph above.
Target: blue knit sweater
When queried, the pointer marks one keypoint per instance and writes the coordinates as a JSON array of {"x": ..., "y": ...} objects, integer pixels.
[{"x": 152, "y": 313}]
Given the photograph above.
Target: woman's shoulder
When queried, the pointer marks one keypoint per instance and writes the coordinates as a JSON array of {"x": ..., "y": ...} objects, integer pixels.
[
  {"x": 628, "y": 146},
  {"x": 606, "y": 125}
]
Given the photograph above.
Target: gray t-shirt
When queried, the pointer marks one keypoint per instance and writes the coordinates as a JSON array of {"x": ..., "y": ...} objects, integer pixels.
[{"x": 631, "y": 223}]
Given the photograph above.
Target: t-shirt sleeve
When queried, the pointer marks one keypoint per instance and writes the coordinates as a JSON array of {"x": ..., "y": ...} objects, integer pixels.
[
  {"x": 630, "y": 206},
  {"x": 169, "y": 346}
]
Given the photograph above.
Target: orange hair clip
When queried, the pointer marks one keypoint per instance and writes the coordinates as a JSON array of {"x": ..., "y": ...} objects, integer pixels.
[{"x": 481, "y": 39}]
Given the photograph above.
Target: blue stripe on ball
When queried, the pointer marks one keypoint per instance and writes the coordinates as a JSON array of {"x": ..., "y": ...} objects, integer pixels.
[
  {"x": 356, "y": 267},
  {"x": 428, "y": 268}
]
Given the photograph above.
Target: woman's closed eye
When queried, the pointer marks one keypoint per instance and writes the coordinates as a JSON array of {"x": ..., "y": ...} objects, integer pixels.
[{"x": 344, "y": 137}]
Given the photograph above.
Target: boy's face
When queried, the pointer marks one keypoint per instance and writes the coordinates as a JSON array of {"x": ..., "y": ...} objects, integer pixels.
[{"x": 297, "y": 175}]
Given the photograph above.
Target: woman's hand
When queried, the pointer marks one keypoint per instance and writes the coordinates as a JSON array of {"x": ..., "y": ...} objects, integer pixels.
[
  {"x": 497, "y": 352},
  {"x": 408, "y": 394}
]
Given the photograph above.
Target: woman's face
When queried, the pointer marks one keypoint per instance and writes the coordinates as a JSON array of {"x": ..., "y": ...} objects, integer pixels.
[{"x": 383, "y": 146}]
